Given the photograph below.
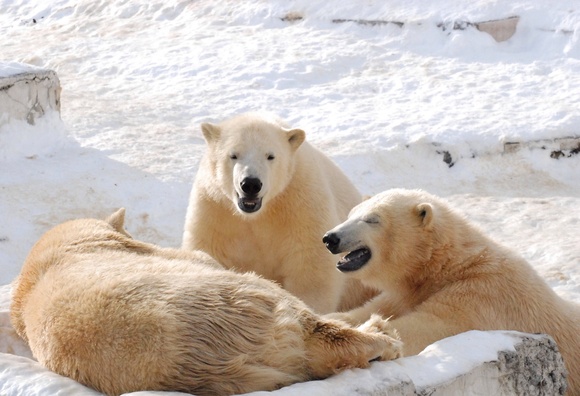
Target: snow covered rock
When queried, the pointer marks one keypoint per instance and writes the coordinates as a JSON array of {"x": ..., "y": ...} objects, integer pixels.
[
  {"x": 475, "y": 363},
  {"x": 30, "y": 123},
  {"x": 27, "y": 92},
  {"x": 534, "y": 367}
]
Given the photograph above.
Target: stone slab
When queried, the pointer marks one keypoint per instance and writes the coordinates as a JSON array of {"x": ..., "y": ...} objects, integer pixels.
[{"x": 27, "y": 92}]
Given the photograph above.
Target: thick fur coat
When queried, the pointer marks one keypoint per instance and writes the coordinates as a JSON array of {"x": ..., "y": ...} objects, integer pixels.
[
  {"x": 120, "y": 315},
  {"x": 440, "y": 276},
  {"x": 262, "y": 199}
]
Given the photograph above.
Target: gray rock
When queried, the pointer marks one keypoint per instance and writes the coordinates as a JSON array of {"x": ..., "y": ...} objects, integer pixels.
[
  {"x": 27, "y": 92},
  {"x": 535, "y": 367}
]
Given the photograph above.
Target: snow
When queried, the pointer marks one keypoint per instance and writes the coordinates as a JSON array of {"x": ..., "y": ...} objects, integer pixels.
[
  {"x": 10, "y": 69},
  {"x": 19, "y": 139},
  {"x": 385, "y": 102}
]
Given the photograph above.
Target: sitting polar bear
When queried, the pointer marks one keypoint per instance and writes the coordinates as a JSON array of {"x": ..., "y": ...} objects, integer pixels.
[
  {"x": 440, "y": 276},
  {"x": 262, "y": 199},
  {"x": 121, "y": 315}
]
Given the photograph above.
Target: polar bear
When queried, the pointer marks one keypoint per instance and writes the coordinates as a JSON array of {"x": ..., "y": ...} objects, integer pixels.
[
  {"x": 121, "y": 315},
  {"x": 440, "y": 276},
  {"x": 262, "y": 199}
]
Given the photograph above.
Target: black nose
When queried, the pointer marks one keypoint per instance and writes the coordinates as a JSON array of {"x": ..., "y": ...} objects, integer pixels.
[
  {"x": 251, "y": 185},
  {"x": 331, "y": 240}
]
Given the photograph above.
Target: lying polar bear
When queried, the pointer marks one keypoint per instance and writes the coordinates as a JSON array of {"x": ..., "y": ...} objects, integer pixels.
[
  {"x": 440, "y": 276},
  {"x": 121, "y": 315}
]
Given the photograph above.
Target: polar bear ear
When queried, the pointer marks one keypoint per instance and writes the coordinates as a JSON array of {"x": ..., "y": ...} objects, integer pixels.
[
  {"x": 296, "y": 137},
  {"x": 211, "y": 132},
  {"x": 117, "y": 220},
  {"x": 425, "y": 212}
]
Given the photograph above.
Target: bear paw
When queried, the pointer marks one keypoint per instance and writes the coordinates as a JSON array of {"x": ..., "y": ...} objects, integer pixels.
[{"x": 376, "y": 324}]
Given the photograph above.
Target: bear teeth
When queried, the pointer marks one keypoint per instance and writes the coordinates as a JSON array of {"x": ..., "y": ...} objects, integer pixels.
[
  {"x": 354, "y": 260},
  {"x": 250, "y": 205}
]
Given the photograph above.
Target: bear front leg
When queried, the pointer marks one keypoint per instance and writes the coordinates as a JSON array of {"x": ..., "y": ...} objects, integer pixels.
[
  {"x": 381, "y": 304},
  {"x": 332, "y": 346}
]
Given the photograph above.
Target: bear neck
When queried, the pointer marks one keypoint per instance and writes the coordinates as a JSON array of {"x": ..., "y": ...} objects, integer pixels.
[{"x": 454, "y": 256}]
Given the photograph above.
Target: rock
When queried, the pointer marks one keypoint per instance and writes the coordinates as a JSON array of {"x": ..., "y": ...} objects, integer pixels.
[
  {"x": 498, "y": 363},
  {"x": 534, "y": 367},
  {"x": 27, "y": 92}
]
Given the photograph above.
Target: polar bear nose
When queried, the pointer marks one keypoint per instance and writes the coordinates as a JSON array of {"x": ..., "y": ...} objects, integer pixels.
[
  {"x": 331, "y": 240},
  {"x": 251, "y": 185}
]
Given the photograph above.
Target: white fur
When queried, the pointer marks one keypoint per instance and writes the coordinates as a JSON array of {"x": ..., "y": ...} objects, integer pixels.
[
  {"x": 303, "y": 194},
  {"x": 441, "y": 276}
]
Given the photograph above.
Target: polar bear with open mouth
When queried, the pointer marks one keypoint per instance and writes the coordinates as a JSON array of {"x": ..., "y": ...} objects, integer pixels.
[
  {"x": 262, "y": 199},
  {"x": 439, "y": 276}
]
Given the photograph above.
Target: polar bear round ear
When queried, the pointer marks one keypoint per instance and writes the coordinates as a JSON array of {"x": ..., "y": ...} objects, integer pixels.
[
  {"x": 117, "y": 220},
  {"x": 296, "y": 137},
  {"x": 210, "y": 132},
  {"x": 425, "y": 212}
]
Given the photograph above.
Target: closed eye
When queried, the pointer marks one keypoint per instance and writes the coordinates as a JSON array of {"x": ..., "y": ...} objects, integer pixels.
[{"x": 371, "y": 220}]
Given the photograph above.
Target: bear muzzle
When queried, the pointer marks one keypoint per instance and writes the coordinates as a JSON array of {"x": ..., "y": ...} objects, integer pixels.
[
  {"x": 251, "y": 186},
  {"x": 250, "y": 202},
  {"x": 332, "y": 242},
  {"x": 354, "y": 260}
]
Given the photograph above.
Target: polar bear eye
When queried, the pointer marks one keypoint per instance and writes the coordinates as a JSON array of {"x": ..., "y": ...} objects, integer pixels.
[
  {"x": 371, "y": 220},
  {"x": 271, "y": 157},
  {"x": 233, "y": 156}
]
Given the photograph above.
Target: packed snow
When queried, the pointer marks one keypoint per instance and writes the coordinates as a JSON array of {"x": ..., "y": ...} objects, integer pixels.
[{"x": 411, "y": 103}]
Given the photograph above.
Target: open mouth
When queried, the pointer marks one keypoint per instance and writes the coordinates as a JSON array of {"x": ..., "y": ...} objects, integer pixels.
[
  {"x": 355, "y": 260},
  {"x": 249, "y": 205}
]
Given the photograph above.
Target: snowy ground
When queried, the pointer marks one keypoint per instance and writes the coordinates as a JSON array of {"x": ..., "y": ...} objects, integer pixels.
[{"x": 385, "y": 102}]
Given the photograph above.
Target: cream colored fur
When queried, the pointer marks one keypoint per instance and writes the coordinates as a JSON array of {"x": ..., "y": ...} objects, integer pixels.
[
  {"x": 440, "y": 276},
  {"x": 121, "y": 315},
  {"x": 303, "y": 194}
]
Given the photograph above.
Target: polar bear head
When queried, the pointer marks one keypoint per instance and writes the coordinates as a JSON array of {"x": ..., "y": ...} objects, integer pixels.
[
  {"x": 389, "y": 236},
  {"x": 251, "y": 158},
  {"x": 87, "y": 232}
]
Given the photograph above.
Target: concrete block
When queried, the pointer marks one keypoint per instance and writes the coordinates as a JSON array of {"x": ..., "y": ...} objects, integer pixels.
[{"x": 27, "y": 92}]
